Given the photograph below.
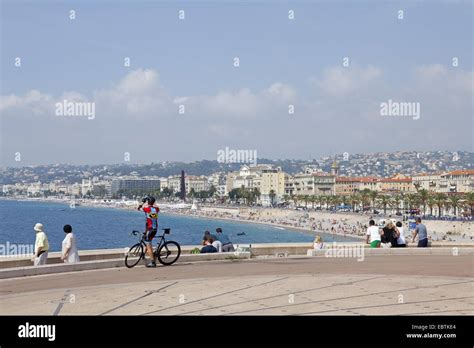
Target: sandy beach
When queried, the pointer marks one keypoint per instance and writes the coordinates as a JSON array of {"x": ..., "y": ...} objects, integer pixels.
[{"x": 339, "y": 223}]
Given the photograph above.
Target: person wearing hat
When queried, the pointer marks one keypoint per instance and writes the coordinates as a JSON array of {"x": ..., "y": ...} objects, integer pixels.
[
  {"x": 41, "y": 246},
  {"x": 69, "y": 249},
  {"x": 227, "y": 245}
]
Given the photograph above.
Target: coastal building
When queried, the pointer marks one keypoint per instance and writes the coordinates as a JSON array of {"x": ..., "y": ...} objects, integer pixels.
[
  {"x": 174, "y": 183},
  {"x": 369, "y": 183},
  {"x": 347, "y": 185},
  {"x": 428, "y": 182},
  {"x": 268, "y": 180},
  {"x": 218, "y": 181},
  {"x": 318, "y": 183},
  {"x": 196, "y": 183},
  {"x": 133, "y": 184},
  {"x": 272, "y": 186},
  {"x": 163, "y": 183},
  {"x": 457, "y": 181},
  {"x": 289, "y": 185},
  {"x": 74, "y": 190},
  {"x": 397, "y": 184},
  {"x": 86, "y": 186}
]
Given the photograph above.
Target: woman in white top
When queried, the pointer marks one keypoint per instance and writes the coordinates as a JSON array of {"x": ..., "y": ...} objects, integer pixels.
[
  {"x": 69, "y": 249},
  {"x": 401, "y": 240}
]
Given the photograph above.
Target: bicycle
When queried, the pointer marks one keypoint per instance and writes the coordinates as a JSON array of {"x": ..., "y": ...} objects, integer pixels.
[{"x": 167, "y": 252}]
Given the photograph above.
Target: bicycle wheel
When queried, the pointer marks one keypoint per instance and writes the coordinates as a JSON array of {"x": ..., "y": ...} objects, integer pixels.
[
  {"x": 134, "y": 255},
  {"x": 169, "y": 253}
]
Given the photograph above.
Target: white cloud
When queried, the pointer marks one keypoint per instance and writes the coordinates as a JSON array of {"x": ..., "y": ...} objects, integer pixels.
[
  {"x": 341, "y": 81},
  {"x": 338, "y": 111}
]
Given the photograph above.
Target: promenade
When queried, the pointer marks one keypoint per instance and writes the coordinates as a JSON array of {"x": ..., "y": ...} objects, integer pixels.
[{"x": 385, "y": 285}]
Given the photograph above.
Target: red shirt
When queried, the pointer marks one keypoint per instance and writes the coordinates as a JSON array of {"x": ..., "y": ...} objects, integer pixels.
[{"x": 151, "y": 214}]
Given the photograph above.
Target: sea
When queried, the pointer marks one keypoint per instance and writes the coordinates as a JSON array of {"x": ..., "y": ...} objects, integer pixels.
[{"x": 105, "y": 228}]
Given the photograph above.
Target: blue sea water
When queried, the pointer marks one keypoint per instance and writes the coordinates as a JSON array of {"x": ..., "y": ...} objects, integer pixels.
[{"x": 102, "y": 228}]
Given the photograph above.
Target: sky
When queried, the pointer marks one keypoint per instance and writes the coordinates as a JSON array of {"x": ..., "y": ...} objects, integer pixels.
[{"x": 183, "y": 98}]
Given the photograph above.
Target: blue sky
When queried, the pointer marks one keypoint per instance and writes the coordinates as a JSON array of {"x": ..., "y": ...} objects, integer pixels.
[{"x": 193, "y": 58}]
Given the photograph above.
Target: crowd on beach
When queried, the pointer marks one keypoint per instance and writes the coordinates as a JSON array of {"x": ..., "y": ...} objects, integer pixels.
[{"x": 343, "y": 224}]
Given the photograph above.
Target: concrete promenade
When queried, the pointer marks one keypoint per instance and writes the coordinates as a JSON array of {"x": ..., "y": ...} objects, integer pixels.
[{"x": 406, "y": 284}]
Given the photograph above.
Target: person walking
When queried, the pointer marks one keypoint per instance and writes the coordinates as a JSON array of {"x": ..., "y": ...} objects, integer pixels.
[
  {"x": 69, "y": 249},
  {"x": 422, "y": 233},
  {"x": 41, "y": 245},
  {"x": 227, "y": 245}
]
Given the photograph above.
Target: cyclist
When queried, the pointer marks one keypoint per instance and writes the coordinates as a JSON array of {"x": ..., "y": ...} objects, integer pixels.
[{"x": 151, "y": 214}]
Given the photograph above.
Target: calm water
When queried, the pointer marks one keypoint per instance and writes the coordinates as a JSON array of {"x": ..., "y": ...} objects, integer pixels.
[{"x": 100, "y": 228}]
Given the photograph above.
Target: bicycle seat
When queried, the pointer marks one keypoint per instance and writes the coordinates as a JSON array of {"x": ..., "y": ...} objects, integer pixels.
[{"x": 167, "y": 230}]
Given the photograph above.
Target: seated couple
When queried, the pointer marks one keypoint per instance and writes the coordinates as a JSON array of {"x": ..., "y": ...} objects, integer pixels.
[{"x": 216, "y": 243}]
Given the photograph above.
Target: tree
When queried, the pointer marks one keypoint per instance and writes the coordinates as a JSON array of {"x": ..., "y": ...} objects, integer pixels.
[
  {"x": 440, "y": 200},
  {"x": 384, "y": 201},
  {"x": 373, "y": 197},
  {"x": 470, "y": 202},
  {"x": 272, "y": 196},
  {"x": 354, "y": 200},
  {"x": 395, "y": 203},
  {"x": 234, "y": 194},
  {"x": 286, "y": 198},
  {"x": 423, "y": 195},
  {"x": 167, "y": 192},
  {"x": 305, "y": 199},
  {"x": 312, "y": 199},
  {"x": 431, "y": 202},
  {"x": 364, "y": 197},
  {"x": 295, "y": 200},
  {"x": 212, "y": 191},
  {"x": 454, "y": 201}
]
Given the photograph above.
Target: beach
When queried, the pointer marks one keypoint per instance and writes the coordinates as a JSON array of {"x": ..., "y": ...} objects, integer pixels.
[{"x": 346, "y": 224}]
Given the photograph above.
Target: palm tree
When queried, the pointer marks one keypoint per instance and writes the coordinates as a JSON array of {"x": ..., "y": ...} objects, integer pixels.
[
  {"x": 373, "y": 196},
  {"x": 364, "y": 197},
  {"x": 272, "y": 196},
  {"x": 313, "y": 199},
  {"x": 470, "y": 202},
  {"x": 336, "y": 200},
  {"x": 354, "y": 200},
  {"x": 320, "y": 200},
  {"x": 412, "y": 201},
  {"x": 454, "y": 201},
  {"x": 431, "y": 202},
  {"x": 395, "y": 203},
  {"x": 440, "y": 200},
  {"x": 295, "y": 199},
  {"x": 423, "y": 195},
  {"x": 305, "y": 199},
  {"x": 384, "y": 200}
]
